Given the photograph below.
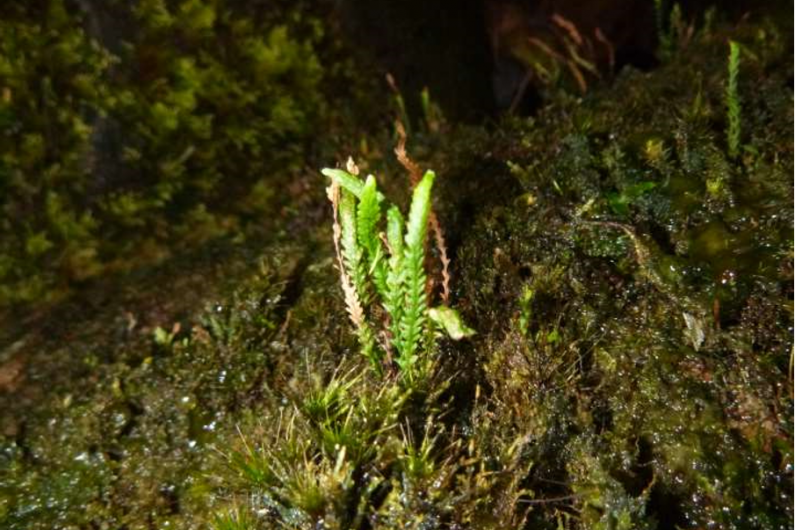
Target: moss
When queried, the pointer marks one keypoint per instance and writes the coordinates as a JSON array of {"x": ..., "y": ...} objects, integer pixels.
[
  {"x": 630, "y": 368},
  {"x": 645, "y": 287},
  {"x": 52, "y": 80},
  {"x": 135, "y": 442},
  {"x": 156, "y": 142}
]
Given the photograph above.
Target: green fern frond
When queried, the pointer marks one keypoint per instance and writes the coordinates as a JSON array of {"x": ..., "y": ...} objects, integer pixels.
[
  {"x": 368, "y": 215},
  {"x": 416, "y": 303},
  {"x": 394, "y": 234},
  {"x": 395, "y": 289},
  {"x": 351, "y": 251},
  {"x": 352, "y": 256},
  {"x": 347, "y": 181}
]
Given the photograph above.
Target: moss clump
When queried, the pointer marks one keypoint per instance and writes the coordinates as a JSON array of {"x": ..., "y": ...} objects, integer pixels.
[
  {"x": 53, "y": 83},
  {"x": 134, "y": 443},
  {"x": 659, "y": 305},
  {"x": 106, "y": 160}
]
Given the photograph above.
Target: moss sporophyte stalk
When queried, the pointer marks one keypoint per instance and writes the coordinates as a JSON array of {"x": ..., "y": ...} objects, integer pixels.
[{"x": 382, "y": 271}]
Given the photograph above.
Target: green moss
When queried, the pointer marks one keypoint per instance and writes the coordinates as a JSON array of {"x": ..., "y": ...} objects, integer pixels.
[
  {"x": 153, "y": 143},
  {"x": 643, "y": 271},
  {"x": 630, "y": 368},
  {"x": 136, "y": 443}
]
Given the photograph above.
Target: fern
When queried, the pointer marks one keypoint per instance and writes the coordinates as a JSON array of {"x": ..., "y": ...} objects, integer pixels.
[
  {"x": 351, "y": 252},
  {"x": 393, "y": 301},
  {"x": 354, "y": 267},
  {"x": 413, "y": 318},
  {"x": 349, "y": 182},
  {"x": 392, "y": 270},
  {"x": 368, "y": 214},
  {"x": 346, "y": 180},
  {"x": 733, "y": 101}
]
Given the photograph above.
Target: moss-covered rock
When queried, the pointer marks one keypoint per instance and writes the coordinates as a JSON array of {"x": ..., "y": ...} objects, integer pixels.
[
  {"x": 627, "y": 276},
  {"x": 631, "y": 288}
]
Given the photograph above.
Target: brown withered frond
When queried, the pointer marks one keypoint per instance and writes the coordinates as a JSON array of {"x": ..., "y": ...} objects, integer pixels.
[
  {"x": 351, "y": 167},
  {"x": 611, "y": 51},
  {"x": 438, "y": 237},
  {"x": 415, "y": 174},
  {"x": 352, "y": 302},
  {"x": 569, "y": 27}
]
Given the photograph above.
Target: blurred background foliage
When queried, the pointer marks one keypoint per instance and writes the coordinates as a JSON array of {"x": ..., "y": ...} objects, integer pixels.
[{"x": 129, "y": 129}]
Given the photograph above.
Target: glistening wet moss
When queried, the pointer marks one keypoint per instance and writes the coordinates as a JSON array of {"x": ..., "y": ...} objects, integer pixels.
[
  {"x": 653, "y": 376},
  {"x": 631, "y": 286}
]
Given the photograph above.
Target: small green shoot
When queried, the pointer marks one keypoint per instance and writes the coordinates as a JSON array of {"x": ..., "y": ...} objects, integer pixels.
[
  {"x": 400, "y": 103},
  {"x": 234, "y": 519},
  {"x": 526, "y": 309},
  {"x": 167, "y": 339},
  {"x": 663, "y": 37},
  {"x": 620, "y": 202},
  {"x": 431, "y": 112},
  {"x": 417, "y": 461},
  {"x": 733, "y": 101},
  {"x": 450, "y": 321},
  {"x": 672, "y": 31},
  {"x": 328, "y": 403}
]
